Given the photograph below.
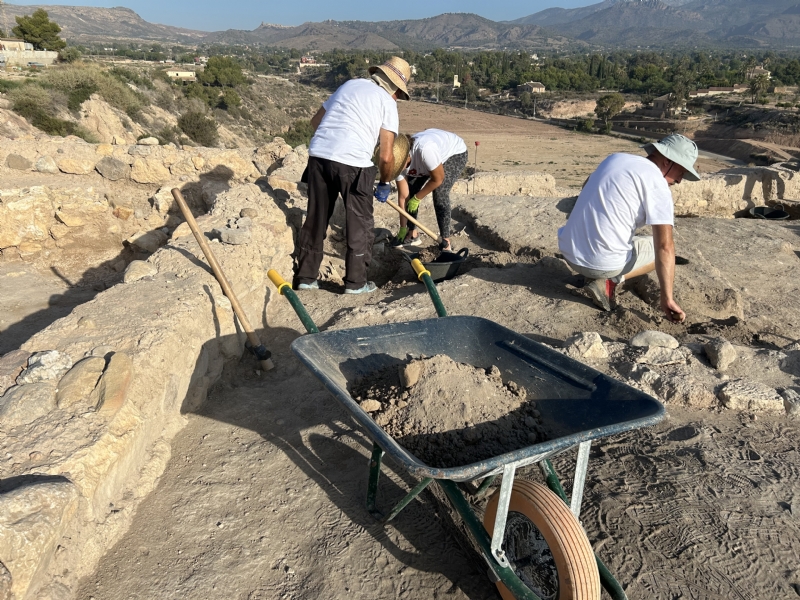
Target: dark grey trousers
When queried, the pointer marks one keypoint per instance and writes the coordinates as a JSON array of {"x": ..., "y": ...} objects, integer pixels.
[{"x": 453, "y": 167}]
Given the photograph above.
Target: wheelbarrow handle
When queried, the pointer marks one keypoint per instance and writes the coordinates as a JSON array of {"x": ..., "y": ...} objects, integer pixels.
[
  {"x": 284, "y": 289},
  {"x": 425, "y": 277}
]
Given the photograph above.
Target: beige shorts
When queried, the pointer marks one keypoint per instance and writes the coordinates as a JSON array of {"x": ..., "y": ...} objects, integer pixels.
[{"x": 643, "y": 254}]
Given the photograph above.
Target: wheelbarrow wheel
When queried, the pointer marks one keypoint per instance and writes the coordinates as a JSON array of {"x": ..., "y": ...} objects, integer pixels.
[{"x": 545, "y": 544}]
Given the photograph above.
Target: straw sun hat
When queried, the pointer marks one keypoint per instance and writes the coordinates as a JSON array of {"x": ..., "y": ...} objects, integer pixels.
[
  {"x": 398, "y": 72},
  {"x": 400, "y": 150},
  {"x": 679, "y": 149}
]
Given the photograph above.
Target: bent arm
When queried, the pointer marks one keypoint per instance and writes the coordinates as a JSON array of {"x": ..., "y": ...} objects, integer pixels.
[
  {"x": 317, "y": 118},
  {"x": 665, "y": 269},
  {"x": 436, "y": 179},
  {"x": 386, "y": 155}
]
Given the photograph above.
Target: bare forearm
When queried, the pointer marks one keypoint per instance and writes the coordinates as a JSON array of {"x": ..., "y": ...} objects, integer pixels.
[
  {"x": 665, "y": 269},
  {"x": 317, "y": 118},
  {"x": 386, "y": 155}
]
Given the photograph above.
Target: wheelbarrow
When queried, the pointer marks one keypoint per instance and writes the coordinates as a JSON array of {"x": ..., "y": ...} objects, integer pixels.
[
  {"x": 541, "y": 551},
  {"x": 769, "y": 212}
]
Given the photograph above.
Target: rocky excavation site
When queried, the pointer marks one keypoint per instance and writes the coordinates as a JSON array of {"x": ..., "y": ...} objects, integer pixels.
[{"x": 144, "y": 454}]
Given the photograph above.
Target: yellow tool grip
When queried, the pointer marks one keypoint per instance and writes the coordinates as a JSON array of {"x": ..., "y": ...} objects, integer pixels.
[
  {"x": 276, "y": 279},
  {"x": 419, "y": 268}
]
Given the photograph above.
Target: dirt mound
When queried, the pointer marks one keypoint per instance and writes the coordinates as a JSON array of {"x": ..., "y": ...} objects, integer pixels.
[{"x": 450, "y": 414}]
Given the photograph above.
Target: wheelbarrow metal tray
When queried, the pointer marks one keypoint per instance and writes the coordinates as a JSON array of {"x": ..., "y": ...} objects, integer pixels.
[{"x": 577, "y": 403}]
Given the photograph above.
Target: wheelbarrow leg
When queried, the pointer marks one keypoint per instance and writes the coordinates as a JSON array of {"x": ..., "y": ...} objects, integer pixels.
[
  {"x": 372, "y": 486},
  {"x": 607, "y": 580},
  {"x": 418, "y": 489}
]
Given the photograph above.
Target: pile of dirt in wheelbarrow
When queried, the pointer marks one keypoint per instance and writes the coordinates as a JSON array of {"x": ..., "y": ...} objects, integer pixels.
[{"x": 450, "y": 414}]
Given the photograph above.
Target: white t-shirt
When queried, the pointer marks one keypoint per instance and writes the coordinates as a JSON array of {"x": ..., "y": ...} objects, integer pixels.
[
  {"x": 430, "y": 149},
  {"x": 354, "y": 116},
  {"x": 624, "y": 193}
]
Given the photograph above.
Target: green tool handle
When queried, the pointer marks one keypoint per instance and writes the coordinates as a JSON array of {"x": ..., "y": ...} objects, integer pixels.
[
  {"x": 284, "y": 289},
  {"x": 425, "y": 276}
]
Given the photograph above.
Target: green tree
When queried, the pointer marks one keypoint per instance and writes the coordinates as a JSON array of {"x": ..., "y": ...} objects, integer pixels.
[
  {"x": 299, "y": 133},
  {"x": 222, "y": 71},
  {"x": 229, "y": 99},
  {"x": 69, "y": 55},
  {"x": 40, "y": 31},
  {"x": 759, "y": 85},
  {"x": 199, "y": 128},
  {"x": 609, "y": 106}
]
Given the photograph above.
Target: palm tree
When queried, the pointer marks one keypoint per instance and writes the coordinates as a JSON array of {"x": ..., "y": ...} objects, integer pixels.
[{"x": 758, "y": 85}]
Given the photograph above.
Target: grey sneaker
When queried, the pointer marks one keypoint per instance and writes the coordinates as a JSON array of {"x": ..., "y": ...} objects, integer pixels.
[
  {"x": 602, "y": 292},
  {"x": 417, "y": 241},
  {"x": 314, "y": 285},
  {"x": 368, "y": 288}
]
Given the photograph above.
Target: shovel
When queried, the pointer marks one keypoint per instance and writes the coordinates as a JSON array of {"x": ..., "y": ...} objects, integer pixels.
[
  {"x": 442, "y": 243},
  {"x": 255, "y": 345}
]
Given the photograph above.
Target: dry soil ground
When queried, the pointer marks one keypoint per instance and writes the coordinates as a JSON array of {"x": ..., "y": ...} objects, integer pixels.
[
  {"x": 264, "y": 494},
  {"x": 511, "y": 144}
]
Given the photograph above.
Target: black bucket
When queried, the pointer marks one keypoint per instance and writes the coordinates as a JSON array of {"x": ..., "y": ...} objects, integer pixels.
[
  {"x": 767, "y": 212},
  {"x": 446, "y": 264}
]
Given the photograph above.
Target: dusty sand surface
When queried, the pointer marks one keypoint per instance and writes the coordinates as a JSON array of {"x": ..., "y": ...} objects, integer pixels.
[
  {"x": 511, "y": 144},
  {"x": 449, "y": 414},
  {"x": 264, "y": 494}
]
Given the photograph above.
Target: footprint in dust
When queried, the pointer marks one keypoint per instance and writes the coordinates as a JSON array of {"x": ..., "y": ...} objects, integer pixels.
[
  {"x": 751, "y": 455},
  {"x": 681, "y": 434}
]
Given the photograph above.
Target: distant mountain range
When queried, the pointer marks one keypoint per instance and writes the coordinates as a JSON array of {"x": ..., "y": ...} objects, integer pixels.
[{"x": 610, "y": 23}]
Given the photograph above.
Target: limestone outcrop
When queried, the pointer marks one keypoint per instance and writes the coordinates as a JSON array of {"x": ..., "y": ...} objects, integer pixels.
[{"x": 89, "y": 438}]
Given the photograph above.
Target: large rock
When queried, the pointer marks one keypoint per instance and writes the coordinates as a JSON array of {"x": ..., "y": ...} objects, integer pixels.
[
  {"x": 138, "y": 269},
  {"x": 648, "y": 339},
  {"x": 791, "y": 403},
  {"x": 44, "y": 366},
  {"x": 288, "y": 175},
  {"x": 113, "y": 169},
  {"x": 685, "y": 391},
  {"x": 76, "y": 166},
  {"x": 148, "y": 241},
  {"x": 11, "y": 365},
  {"x": 587, "y": 345},
  {"x": 229, "y": 164},
  {"x": 149, "y": 170},
  {"x": 266, "y": 158},
  {"x": 106, "y": 123},
  {"x": 720, "y": 353},
  {"x": 33, "y": 518},
  {"x": 77, "y": 385},
  {"x": 658, "y": 356},
  {"x": 24, "y": 404},
  {"x": 46, "y": 164},
  {"x": 742, "y": 394},
  {"x": 18, "y": 162},
  {"x": 111, "y": 391}
]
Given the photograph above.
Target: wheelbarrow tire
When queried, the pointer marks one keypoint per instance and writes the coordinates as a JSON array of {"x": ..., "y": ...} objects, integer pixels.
[{"x": 578, "y": 577}]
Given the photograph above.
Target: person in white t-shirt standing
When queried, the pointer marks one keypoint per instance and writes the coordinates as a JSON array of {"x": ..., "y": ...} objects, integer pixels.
[
  {"x": 361, "y": 113},
  {"x": 435, "y": 162},
  {"x": 625, "y": 193}
]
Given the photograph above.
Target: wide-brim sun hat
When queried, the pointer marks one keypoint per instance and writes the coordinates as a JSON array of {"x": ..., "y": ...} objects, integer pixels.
[
  {"x": 400, "y": 150},
  {"x": 679, "y": 149},
  {"x": 398, "y": 72}
]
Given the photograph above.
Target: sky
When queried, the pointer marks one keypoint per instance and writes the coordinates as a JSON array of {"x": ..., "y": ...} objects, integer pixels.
[{"x": 216, "y": 15}]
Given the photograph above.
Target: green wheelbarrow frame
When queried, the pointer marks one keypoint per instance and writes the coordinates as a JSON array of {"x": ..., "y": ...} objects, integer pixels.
[{"x": 630, "y": 409}]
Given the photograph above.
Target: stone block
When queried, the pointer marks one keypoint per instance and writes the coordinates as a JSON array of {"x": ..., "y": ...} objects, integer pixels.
[
  {"x": 649, "y": 339},
  {"x": 588, "y": 345},
  {"x": 76, "y": 166},
  {"x": 685, "y": 391},
  {"x": 148, "y": 141},
  {"x": 70, "y": 219},
  {"x": 113, "y": 169},
  {"x": 149, "y": 170},
  {"x": 18, "y": 162},
  {"x": 742, "y": 394},
  {"x": 148, "y": 241},
  {"x": 32, "y": 520},
  {"x": 658, "y": 356},
  {"x": 123, "y": 212},
  {"x": 111, "y": 391},
  {"x": 139, "y": 269},
  {"x": 791, "y": 403},
  {"x": 46, "y": 164},
  {"x": 24, "y": 404},
  {"x": 11, "y": 365},
  {"x": 720, "y": 353},
  {"x": 76, "y": 386},
  {"x": 44, "y": 366}
]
